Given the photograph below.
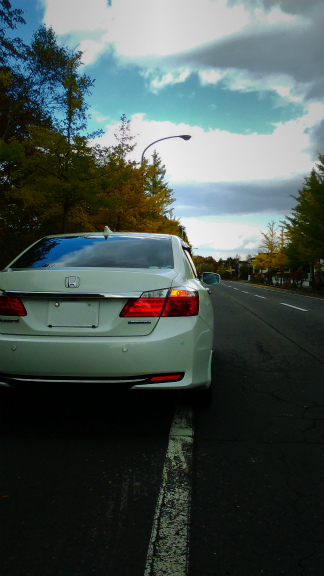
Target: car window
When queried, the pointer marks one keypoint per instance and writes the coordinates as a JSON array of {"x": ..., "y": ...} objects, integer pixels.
[
  {"x": 98, "y": 251},
  {"x": 190, "y": 262}
]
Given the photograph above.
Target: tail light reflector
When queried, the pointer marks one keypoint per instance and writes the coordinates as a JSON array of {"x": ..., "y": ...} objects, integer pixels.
[
  {"x": 174, "y": 302},
  {"x": 11, "y": 306},
  {"x": 167, "y": 378}
]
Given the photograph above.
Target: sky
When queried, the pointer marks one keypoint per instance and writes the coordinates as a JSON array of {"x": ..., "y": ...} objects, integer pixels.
[{"x": 244, "y": 78}]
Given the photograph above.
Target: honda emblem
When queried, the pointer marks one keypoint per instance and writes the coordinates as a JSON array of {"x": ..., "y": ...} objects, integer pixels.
[{"x": 72, "y": 282}]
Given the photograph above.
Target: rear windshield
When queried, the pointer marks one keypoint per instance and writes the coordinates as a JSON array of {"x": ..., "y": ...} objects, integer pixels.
[{"x": 98, "y": 251}]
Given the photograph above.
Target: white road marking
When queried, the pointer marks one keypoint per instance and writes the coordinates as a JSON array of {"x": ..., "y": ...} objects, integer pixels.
[
  {"x": 168, "y": 551},
  {"x": 245, "y": 292},
  {"x": 257, "y": 296},
  {"x": 235, "y": 288},
  {"x": 296, "y": 307}
]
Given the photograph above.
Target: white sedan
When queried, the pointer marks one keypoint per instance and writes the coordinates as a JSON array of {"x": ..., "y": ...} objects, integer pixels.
[{"x": 123, "y": 309}]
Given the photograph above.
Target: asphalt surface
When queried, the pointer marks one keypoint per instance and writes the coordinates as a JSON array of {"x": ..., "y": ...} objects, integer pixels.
[
  {"x": 81, "y": 471},
  {"x": 258, "y": 477}
]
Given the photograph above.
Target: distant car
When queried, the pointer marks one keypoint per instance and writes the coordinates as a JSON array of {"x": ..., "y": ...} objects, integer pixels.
[{"x": 113, "y": 308}]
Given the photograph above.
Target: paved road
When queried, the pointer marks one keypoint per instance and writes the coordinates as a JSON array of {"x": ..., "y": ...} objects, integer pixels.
[
  {"x": 82, "y": 474},
  {"x": 258, "y": 477}
]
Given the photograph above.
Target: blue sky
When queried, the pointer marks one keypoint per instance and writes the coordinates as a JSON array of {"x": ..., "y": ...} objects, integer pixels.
[{"x": 243, "y": 77}]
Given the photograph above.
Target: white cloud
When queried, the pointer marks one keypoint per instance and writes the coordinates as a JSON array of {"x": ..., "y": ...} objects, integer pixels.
[
  {"x": 251, "y": 173},
  {"x": 244, "y": 81},
  {"x": 68, "y": 16},
  {"x": 158, "y": 80},
  {"x": 220, "y": 156},
  {"x": 211, "y": 76},
  {"x": 220, "y": 236},
  {"x": 211, "y": 237},
  {"x": 91, "y": 49},
  {"x": 247, "y": 45},
  {"x": 154, "y": 28}
]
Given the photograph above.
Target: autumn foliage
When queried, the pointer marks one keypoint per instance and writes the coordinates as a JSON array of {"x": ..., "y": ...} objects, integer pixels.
[{"x": 54, "y": 178}]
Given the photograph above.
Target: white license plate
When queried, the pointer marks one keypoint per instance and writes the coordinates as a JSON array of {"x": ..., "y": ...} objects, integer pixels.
[{"x": 73, "y": 314}]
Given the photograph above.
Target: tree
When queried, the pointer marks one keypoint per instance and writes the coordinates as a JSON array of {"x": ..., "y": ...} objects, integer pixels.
[
  {"x": 245, "y": 268},
  {"x": 18, "y": 108},
  {"x": 128, "y": 206},
  {"x": 136, "y": 198},
  {"x": 48, "y": 167},
  {"x": 45, "y": 67},
  {"x": 53, "y": 179},
  {"x": 205, "y": 264},
  {"x": 224, "y": 270},
  {"x": 271, "y": 256},
  {"x": 124, "y": 138},
  {"x": 233, "y": 264},
  {"x": 59, "y": 87},
  {"x": 155, "y": 183},
  {"x": 9, "y": 18},
  {"x": 305, "y": 227}
]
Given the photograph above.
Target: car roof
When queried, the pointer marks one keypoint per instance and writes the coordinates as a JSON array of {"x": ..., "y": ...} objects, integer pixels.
[{"x": 120, "y": 234}]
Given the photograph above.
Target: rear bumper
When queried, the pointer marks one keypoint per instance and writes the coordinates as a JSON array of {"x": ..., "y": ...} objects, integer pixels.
[{"x": 113, "y": 361}]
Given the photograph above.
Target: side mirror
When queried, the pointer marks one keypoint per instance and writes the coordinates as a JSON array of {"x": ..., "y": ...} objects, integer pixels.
[{"x": 210, "y": 278}]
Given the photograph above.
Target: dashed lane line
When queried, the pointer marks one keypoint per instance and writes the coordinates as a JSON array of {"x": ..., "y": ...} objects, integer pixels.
[
  {"x": 264, "y": 298},
  {"x": 291, "y": 306},
  {"x": 168, "y": 551}
]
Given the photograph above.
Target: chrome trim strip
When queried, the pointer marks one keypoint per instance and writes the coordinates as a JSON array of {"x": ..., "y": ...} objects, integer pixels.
[{"x": 71, "y": 295}]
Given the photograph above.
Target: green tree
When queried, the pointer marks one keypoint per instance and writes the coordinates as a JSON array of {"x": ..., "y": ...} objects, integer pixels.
[
  {"x": 52, "y": 178},
  {"x": 305, "y": 227},
  {"x": 136, "y": 198},
  {"x": 155, "y": 184},
  {"x": 9, "y": 18},
  {"x": 245, "y": 268},
  {"x": 50, "y": 171},
  {"x": 205, "y": 264},
  {"x": 59, "y": 86},
  {"x": 224, "y": 270},
  {"x": 233, "y": 265},
  {"x": 128, "y": 206},
  {"x": 55, "y": 180},
  {"x": 45, "y": 68},
  {"x": 125, "y": 140},
  {"x": 18, "y": 107}
]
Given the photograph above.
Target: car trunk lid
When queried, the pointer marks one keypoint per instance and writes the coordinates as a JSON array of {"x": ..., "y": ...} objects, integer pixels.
[{"x": 80, "y": 301}]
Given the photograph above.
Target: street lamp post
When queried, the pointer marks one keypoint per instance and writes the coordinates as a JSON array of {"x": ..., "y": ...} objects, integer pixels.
[{"x": 183, "y": 136}]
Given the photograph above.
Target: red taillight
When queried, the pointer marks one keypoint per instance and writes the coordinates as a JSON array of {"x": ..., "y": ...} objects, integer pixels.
[
  {"x": 182, "y": 302},
  {"x": 143, "y": 307},
  {"x": 176, "y": 302},
  {"x": 11, "y": 306}
]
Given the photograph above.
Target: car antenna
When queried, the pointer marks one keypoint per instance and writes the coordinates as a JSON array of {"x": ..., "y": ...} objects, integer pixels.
[{"x": 107, "y": 232}]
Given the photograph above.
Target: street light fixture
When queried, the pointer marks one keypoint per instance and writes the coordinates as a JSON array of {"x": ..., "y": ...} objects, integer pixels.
[{"x": 183, "y": 136}]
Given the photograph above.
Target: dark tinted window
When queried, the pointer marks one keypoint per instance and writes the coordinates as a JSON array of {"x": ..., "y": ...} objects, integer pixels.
[{"x": 98, "y": 251}]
